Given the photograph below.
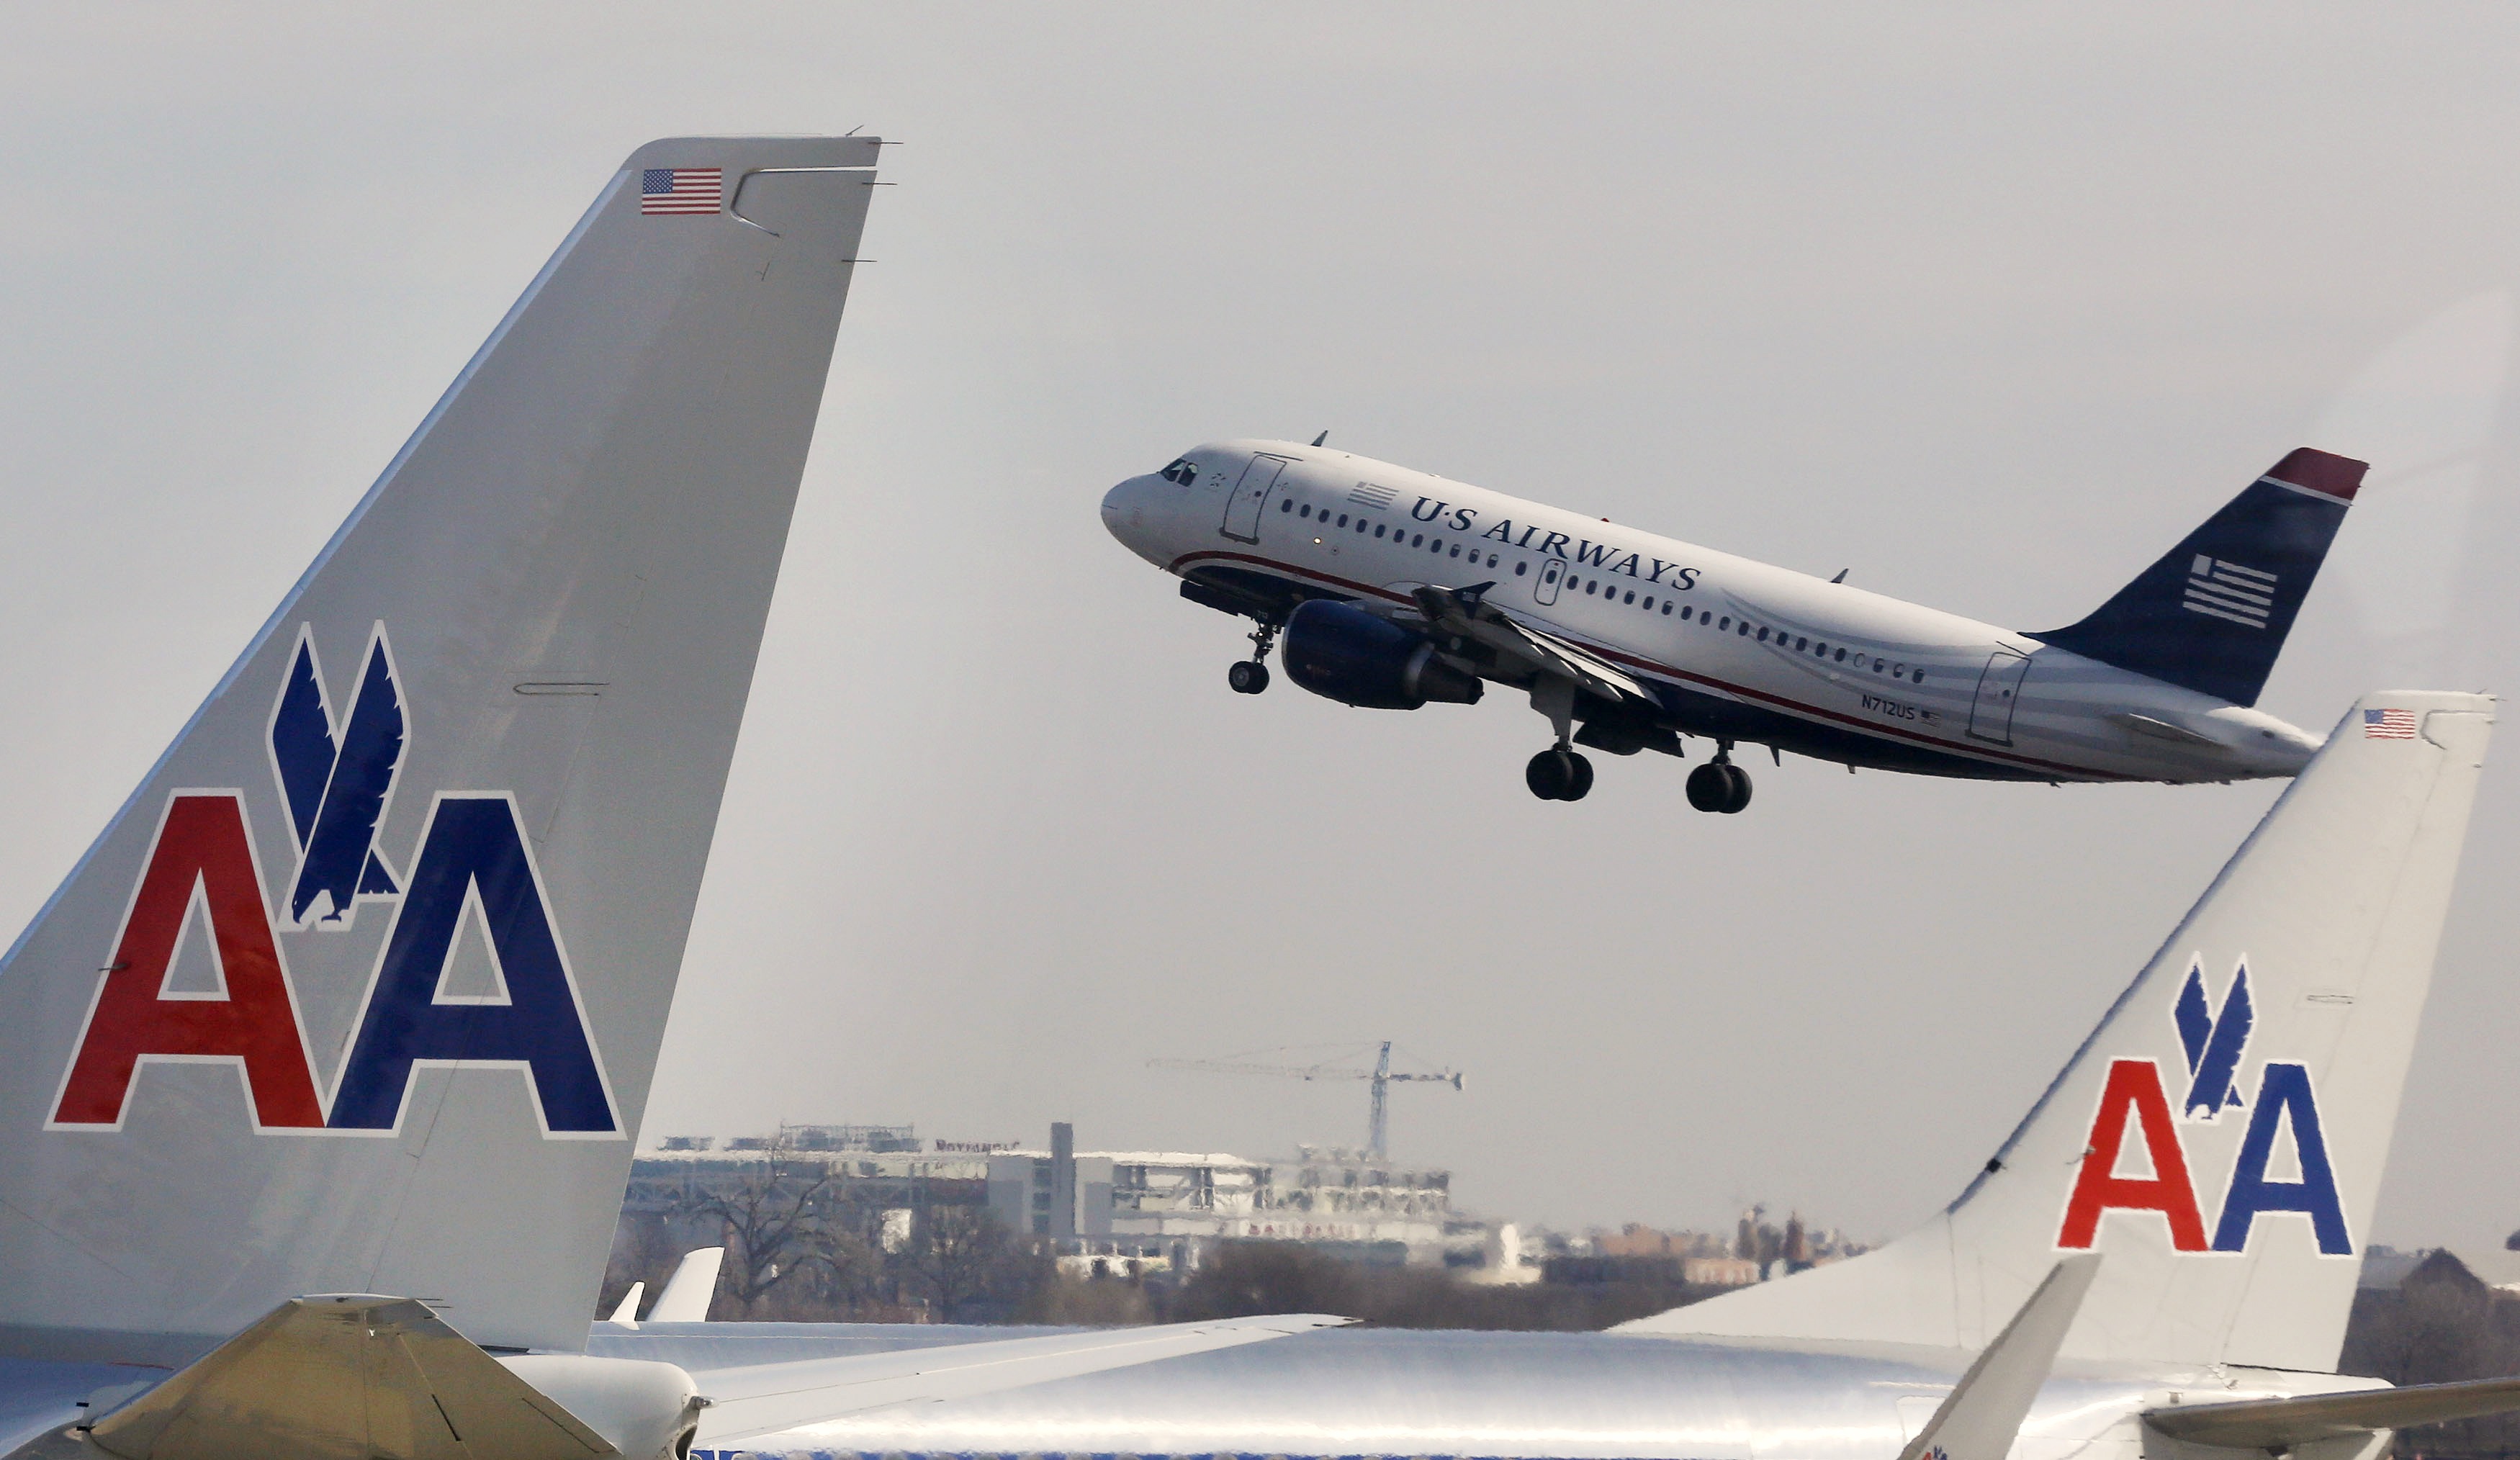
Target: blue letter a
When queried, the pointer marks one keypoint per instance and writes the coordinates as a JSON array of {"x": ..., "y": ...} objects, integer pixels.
[
  {"x": 2284, "y": 1090},
  {"x": 472, "y": 845}
]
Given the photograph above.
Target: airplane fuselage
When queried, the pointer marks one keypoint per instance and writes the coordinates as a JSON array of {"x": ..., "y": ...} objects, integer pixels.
[
  {"x": 1530, "y": 1395},
  {"x": 1735, "y": 651}
]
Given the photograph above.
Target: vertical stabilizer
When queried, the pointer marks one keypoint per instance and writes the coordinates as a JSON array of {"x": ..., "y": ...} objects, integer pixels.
[
  {"x": 362, "y": 989},
  {"x": 2220, "y": 1136},
  {"x": 2213, "y": 613}
]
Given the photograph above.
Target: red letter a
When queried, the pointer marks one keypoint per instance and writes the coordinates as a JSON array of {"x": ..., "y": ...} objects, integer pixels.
[
  {"x": 202, "y": 844},
  {"x": 2133, "y": 1084}
]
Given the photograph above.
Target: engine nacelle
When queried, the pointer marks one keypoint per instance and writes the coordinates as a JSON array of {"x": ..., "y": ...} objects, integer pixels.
[
  {"x": 647, "y": 1410},
  {"x": 1340, "y": 652}
]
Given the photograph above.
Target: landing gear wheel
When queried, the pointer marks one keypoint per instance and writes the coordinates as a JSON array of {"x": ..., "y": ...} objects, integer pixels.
[
  {"x": 1247, "y": 676},
  {"x": 1559, "y": 775},
  {"x": 1737, "y": 787},
  {"x": 1710, "y": 788}
]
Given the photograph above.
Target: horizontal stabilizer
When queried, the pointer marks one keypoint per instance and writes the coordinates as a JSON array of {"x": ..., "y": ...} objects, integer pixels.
[
  {"x": 2281, "y": 1424},
  {"x": 1979, "y": 1419},
  {"x": 2212, "y": 614},
  {"x": 770, "y": 1399},
  {"x": 337, "y": 1376}
]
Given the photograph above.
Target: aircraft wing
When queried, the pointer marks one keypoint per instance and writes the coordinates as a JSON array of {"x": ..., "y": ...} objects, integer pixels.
[
  {"x": 768, "y": 1399},
  {"x": 2283, "y": 1424},
  {"x": 1466, "y": 613}
]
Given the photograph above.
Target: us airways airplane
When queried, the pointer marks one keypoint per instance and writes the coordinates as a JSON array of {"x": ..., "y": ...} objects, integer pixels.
[
  {"x": 320, "y": 1073},
  {"x": 2157, "y": 1264},
  {"x": 1392, "y": 589}
]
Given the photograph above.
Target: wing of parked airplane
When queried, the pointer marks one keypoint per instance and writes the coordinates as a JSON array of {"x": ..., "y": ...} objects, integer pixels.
[
  {"x": 1980, "y": 1417},
  {"x": 796, "y": 1396},
  {"x": 2274, "y": 1426}
]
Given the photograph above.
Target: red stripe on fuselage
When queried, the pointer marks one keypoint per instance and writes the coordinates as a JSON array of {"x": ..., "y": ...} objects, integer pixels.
[{"x": 1669, "y": 672}]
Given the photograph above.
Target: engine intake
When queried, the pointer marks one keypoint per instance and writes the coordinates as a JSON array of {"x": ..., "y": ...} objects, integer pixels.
[{"x": 1344, "y": 653}]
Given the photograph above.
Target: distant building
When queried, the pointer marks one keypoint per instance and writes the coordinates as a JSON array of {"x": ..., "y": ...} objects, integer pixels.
[
  {"x": 1174, "y": 1204},
  {"x": 879, "y": 1166},
  {"x": 1150, "y": 1208}
]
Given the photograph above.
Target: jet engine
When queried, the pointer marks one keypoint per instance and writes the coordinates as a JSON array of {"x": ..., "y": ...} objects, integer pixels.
[{"x": 1340, "y": 652}]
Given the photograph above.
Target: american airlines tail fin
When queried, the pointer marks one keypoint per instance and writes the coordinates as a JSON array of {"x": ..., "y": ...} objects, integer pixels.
[
  {"x": 362, "y": 989},
  {"x": 2221, "y": 1136},
  {"x": 2212, "y": 614}
]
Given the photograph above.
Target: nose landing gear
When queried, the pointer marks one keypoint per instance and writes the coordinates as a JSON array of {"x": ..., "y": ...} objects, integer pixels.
[
  {"x": 1251, "y": 675},
  {"x": 1720, "y": 785}
]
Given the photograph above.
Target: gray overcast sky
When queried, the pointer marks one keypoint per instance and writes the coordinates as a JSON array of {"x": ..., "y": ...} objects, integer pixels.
[{"x": 1990, "y": 305}]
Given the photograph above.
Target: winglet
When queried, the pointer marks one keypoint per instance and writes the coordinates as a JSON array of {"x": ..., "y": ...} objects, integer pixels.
[
  {"x": 627, "y": 1314},
  {"x": 687, "y": 1295},
  {"x": 1983, "y": 1414}
]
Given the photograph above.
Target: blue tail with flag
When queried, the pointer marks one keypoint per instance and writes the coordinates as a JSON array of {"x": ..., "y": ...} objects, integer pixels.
[{"x": 2212, "y": 614}]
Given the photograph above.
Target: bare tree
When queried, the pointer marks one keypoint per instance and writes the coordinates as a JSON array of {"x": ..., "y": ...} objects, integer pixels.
[
  {"x": 960, "y": 1256},
  {"x": 776, "y": 1224}
]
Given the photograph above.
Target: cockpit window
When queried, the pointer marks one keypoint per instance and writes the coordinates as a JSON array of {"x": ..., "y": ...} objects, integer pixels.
[{"x": 1183, "y": 471}]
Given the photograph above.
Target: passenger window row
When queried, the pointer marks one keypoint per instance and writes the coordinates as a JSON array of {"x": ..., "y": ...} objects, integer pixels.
[
  {"x": 1416, "y": 540},
  {"x": 1803, "y": 644},
  {"x": 1595, "y": 587}
]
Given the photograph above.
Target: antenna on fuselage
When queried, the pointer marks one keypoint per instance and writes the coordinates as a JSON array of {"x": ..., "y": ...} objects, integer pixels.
[
  {"x": 1324, "y": 437},
  {"x": 1841, "y": 575}
]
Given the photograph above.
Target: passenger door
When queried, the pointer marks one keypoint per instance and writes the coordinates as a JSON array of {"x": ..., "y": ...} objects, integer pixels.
[
  {"x": 1243, "y": 508},
  {"x": 1998, "y": 689},
  {"x": 1552, "y": 572}
]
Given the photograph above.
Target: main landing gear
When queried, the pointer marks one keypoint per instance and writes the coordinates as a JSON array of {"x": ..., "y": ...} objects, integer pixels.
[
  {"x": 1557, "y": 775},
  {"x": 1720, "y": 785},
  {"x": 1251, "y": 675}
]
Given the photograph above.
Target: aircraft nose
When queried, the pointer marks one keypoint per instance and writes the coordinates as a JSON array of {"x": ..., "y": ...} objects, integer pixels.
[{"x": 1124, "y": 508}]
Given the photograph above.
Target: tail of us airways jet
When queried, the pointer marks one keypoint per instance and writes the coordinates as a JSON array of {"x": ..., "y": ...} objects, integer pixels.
[
  {"x": 2220, "y": 1138},
  {"x": 362, "y": 989},
  {"x": 2212, "y": 614}
]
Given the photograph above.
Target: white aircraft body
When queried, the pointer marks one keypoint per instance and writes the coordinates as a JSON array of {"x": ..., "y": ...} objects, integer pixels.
[
  {"x": 322, "y": 1068},
  {"x": 1392, "y": 589}
]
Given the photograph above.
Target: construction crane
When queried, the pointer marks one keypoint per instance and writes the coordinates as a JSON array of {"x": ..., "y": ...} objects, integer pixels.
[{"x": 1378, "y": 1125}]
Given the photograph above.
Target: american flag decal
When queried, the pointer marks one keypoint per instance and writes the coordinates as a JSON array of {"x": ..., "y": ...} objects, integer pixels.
[
  {"x": 2387, "y": 724},
  {"x": 665, "y": 191},
  {"x": 2218, "y": 588}
]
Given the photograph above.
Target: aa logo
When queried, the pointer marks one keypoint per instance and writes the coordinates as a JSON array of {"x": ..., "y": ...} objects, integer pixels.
[
  {"x": 336, "y": 778},
  {"x": 2135, "y": 1157},
  {"x": 203, "y": 878}
]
